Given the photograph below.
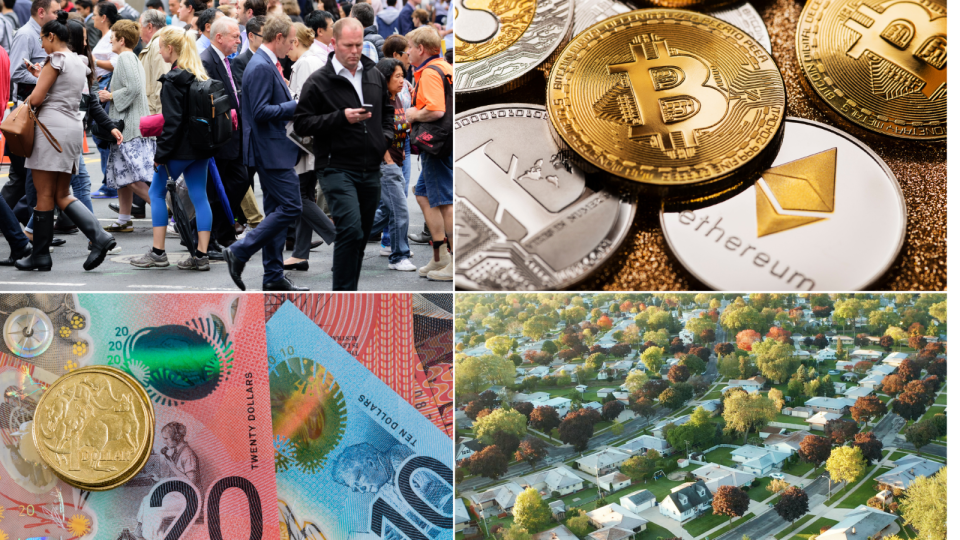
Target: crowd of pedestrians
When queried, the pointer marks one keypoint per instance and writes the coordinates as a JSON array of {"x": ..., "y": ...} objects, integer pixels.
[{"x": 326, "y": 106}]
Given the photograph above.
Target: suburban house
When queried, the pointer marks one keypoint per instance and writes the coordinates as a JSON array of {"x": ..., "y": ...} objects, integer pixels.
[
  {"x": 580, "y": 388},
  {"x": 831, "y": 405},
  {"x": 759, "y": 461},
  {"x": 861, "y": 523},
  {"x": 615, "y": 522},
  {"x": 849, "y": 376},
  {"x": 602, "y": 462},
  {"x": 866, "y": 354},
  {"x": 462, "y": 421},
  {"x": 908, "y": 469},
  {"x": 712, "y": 406},
  {"x": 558, "y": 509},
  {"x": 460, "y": 515},
  {"x": 846, "y": 340},
  {"x": 499, "y": 499},
  {"x": 638, "y": 501},
  {"x": 799, "y": 412},
  {"x": 883, "y": 369},
  {"x": 826, "y": 354},
  {"x": 556, "y": 533},
  {"x": 467, "y": 448},
  {"x": 534, "y": 398},
  {"x": 801, "y": 354},
  {"x": 819, "y": 420},
  {"x": 604, "y": 392},
  {"x": 714, "y": 476},
  {"x": 614, "y": 481},
  {"x": 561, "y": 404},
  {"x": 770, "y": 430},
  {"x": 895, "y": 359},
  {"x": 658, "y": 429},
  {"x": 873, "y": 380},
  {"x": 687, "y": 502},
  {"x": 643, "y": 443},
  {"x": 559, "y": 479},
  {"x": 789, "y": 442},
  {"x": 595, "y": 405},
  {"x": 539, "y": 371},
  {"x": 749, "y": 385},
  {"x": 855, "y": 392}
]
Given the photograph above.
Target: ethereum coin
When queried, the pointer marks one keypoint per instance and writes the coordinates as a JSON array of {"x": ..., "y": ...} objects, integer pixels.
[
  {"x": 665, "y": 98},
  {"x": 828, "y": 215},
  {"x": 526, "y": 219},
  {"x": 94, "y": 427},
  {"x": 501, "y": 43},
  {"x": 880, "y": 66}
]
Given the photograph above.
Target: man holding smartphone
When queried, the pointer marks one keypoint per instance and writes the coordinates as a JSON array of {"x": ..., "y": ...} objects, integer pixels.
[{"x": 345, "y": 107}]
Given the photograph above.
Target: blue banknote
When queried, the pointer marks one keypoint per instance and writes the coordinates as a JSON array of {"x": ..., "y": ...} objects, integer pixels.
[{"x": 354, "y": 460}]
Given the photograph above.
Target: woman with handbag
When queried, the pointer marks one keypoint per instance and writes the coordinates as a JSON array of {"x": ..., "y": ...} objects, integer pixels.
[
  {"x": 130, "y": 165},
  {"x": 57, "y": 147},
  {"x": 175, "y": 155}
]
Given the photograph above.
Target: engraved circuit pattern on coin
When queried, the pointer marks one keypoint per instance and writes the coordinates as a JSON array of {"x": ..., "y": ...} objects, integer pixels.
[
  {"x": 879, "y": 65},
  {"x": 94, "y": 427},
  {"x": 526, "y": 219},
  {"x": 503, "y": 61},
  {"x": 665, "y": 97},
  {"x": 742, "y": 15}
]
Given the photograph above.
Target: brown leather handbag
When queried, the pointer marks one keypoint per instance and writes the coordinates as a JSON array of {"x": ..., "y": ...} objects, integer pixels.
[{"x": 18, "y": 130}]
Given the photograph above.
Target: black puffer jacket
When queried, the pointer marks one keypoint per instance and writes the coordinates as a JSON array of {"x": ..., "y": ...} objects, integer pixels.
[
  {"x": 172, "y": 142},
  {"x": 371, "y": 34}
]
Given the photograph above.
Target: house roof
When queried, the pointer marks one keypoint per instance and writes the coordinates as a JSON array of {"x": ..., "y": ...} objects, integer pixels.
[
  {"x": 460, "y": 514},
  {"x": 772, "y": 430},
  {"x": 558, "y": 402},
  {"x": 872, "y": 379},
  {"x": 614, "y": 515},
  {"x": 758, "y": 379},
  {"x": 711, "y": 405},
  {"x": 743, "y": 382},
  {"x": 557, "y": 506},
  {"x": 908, "y": 469},
  {"x": 828, "y": 402},
  {"x": 896, "y": 357},
  {"x": 675, "y": 421},
  {"x": 715, "y": 475},
  {"x": 614, "y": 478},
  {"x": 555, "y": 478},
  {"x": 691, "y": 496},
  {"x": 821, "y": 418},
  {"x": 789, "y": 439},
  {"x": 611, "y": 533},
  {"x": 531, "y": 397},
  {"x": 855, "y": 392},
  {"x": 639, "y": 497},
  {"x": 866, "y": 352},
  {"x": 505, "y": 495},
  {"x": 884, "y": 369},
  {"x": 603, "y": 458},
  {"x": 646, "y": 441},
  {"x": 749, "y": 452},
  {"x": 861, "y": 523},
  {"x": 769, "y": 459},
  {"x": 472, "y": 444},
  {"x": 556, "y": 533}
]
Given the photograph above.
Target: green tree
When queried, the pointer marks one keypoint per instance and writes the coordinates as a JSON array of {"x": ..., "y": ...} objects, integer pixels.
[
  {"x": 898, "y": 334},
  {"x": 652, "y": 358},
  {"x": 734, "y": 319},
  {"x": 638, "y": 468},
  {"x": 846, "y": 464},
  {"x": 775, "y": 359},
  {"x": 535, "y": 327},
  {"x": 508, "y": 421},
  {"x": 579, "y": 523},
  {"x": 515, "y": 532},
  {"x": 698, "y": 324},
  {"x": 921, "y": 434},
  {"x": 617, "y": 428},
  {"x": 924, "y": 506},
  {"x": 500, "y": 345},
  {"x": 530, "y": 511},
  {"x": 744, "y": 413},
  {"x": 635, "y": 381},
  {"x": 698, "y": 431},
  {"x": 776, "y": 396},
  {"x": 730, "y": 501},
  {"x": 660, "y": 338}
]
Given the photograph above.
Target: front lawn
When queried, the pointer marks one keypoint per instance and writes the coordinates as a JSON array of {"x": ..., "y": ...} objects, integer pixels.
[
  {"x": 862, "y": 493},
  {"x": 717, "y": 394},
  {"x": 721, "y": 456},
  {"x": 794, "y": 526},
  {"x": 704, "y": 523},
  {"x": 814, "y": 528},
  {"x": 941, "y": 399},
  {"x": 760, "y": 493},
  {"x": 782, "y": 418},
  {"x": 653, "y": 532},
  {"x": 799, "y": 468},
  {"x": 897, "y": 455},
  {"x": 660, "y": 488}
]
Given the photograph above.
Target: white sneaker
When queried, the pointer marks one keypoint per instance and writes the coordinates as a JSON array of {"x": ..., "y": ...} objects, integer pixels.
[
  {"x": 444, "y": 274},
  {"x": 436, "y": 265},
  {"x": 385, "y": 251},
  {"x": 404, "y": 266},
  {"x": 172, "y": 231},
  {"x": 115, "y": 250}
]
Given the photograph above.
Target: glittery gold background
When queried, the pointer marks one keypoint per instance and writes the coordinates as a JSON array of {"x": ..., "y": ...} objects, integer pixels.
[{"x": 644, "y": 261}]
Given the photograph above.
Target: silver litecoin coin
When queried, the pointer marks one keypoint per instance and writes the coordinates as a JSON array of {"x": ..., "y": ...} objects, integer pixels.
[
  {"x": 525, "y": 219},
  {"x": 742, "y": 15},
  {"x": 827, "y": 215},
  {"x": 501, "y": 43}
]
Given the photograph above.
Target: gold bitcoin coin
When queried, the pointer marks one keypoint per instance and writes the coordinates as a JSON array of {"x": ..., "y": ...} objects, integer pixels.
[
  {"x": 880, "y": 66},
  {"x": 94, "y": 427},
  {"x": 666, "y": 98},
  {"x": 690, "y": 4}
]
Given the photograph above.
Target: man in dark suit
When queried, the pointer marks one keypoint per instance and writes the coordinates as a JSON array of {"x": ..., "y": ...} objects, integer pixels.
[
  {"x": 224, "y": 39},
  {"x": 267, "y": 106},
  {"x": 254, "y": 40}
]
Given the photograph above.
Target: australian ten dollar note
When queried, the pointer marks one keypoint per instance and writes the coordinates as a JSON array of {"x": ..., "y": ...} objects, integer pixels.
[
  {"x": 210, "y": 474},
  {"x": 354, "y": 460}
]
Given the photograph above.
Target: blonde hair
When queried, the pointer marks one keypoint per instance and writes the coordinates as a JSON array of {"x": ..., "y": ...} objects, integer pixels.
[
  {"x": 187, "y": 56},
  {"x": 304, "y": 34},
  {"x": 427, "y": 36},
  {"x": 421, "y": 15},
  {"x": 229, "y": 10},
  {"x": 290, "y": 7},
  {"x": 128, "y": 31}
]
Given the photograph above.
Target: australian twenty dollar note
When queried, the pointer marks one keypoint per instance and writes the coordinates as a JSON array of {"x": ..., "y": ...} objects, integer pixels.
[
  {"x": 201, "y": 359},
  {"x": 354, "y": 460}
]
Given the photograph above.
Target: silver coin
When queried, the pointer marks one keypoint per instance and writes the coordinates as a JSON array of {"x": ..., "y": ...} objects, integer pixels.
[
  {"x": 828, "y": 215},
  {"x": 28, "y": 332},
  {"x": 500, "y": 51},
  {"x": 742, "y": 15},
  {"x": 526, "y": 219}
]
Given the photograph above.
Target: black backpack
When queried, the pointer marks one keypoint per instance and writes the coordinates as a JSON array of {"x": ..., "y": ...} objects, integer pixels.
[
  {"x": 436, "y": 138},
  {"x": 210, "y": 125}
]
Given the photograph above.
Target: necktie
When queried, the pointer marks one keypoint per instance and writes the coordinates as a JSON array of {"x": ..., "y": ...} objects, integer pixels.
[
  {"x": 226, "y": 62},
  {"x": 280, "y": 69}
]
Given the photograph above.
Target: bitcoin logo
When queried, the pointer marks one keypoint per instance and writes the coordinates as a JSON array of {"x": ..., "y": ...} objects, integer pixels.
[
  {"x": 880, "y": 66},
  {"x": 907, "y": 48},
  {"x": 486, "y": 27},
  {"x": 684, "y": 99}
]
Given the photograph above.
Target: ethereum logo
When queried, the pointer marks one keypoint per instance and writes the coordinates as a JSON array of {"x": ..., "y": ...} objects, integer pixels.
[{"x": 806, "y": 185}]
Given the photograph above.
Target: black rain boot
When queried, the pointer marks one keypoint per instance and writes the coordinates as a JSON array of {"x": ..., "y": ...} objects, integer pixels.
[
  {"x": 63, "y": 225},
  {"x": 101, "y": 240},
  {"x": 16, "y": 255},
  {"x": 39, "y": 259}
]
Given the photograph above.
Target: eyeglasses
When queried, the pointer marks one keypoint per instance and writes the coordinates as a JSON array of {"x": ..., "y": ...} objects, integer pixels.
[{"x": 256, "y": 34}]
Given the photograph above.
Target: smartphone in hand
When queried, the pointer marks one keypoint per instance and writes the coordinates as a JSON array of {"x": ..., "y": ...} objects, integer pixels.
[{"x": 367, "y": 107}]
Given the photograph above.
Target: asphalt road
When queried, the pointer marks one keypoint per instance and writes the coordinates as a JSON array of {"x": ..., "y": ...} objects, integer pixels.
[
  {"x": 765, "y": 524},
  {"x": 116, "y": 274}
]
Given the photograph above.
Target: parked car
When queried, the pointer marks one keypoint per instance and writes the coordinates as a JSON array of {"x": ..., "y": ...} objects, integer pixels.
[
  {"x": 833, "y": 372},
  {"x": 777, "y": 476}
]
